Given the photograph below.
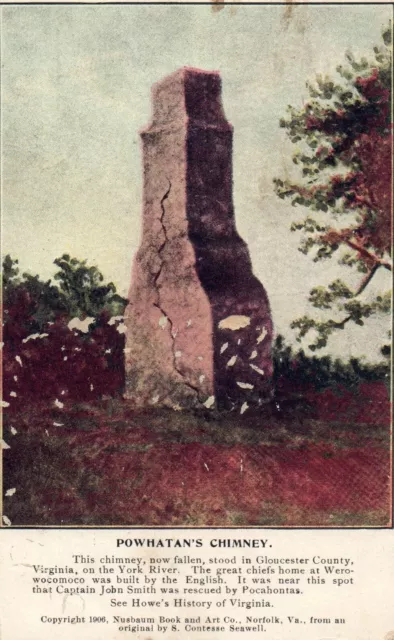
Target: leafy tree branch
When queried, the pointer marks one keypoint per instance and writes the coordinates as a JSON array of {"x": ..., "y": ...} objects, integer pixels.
[{"x": 343, "y": 135}]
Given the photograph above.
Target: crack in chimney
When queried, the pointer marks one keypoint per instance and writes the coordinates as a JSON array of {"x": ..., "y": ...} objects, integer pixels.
[{"x": 157, "y": 304}]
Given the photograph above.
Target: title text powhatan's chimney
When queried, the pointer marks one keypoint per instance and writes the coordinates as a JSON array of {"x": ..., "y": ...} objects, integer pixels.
[{"x": 199, "y": 328}]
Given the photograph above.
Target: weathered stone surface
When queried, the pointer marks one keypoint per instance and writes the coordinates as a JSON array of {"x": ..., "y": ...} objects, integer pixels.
[{"x": 198, "y": 322}]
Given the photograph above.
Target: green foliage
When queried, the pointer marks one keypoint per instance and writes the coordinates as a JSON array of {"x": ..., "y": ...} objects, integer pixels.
[
  {"x": 323, "y": 371},
  {"x": 31, "y": 303},
  {"x": 344, "y": 156},
  {"x": 10, "y": 272},
  {"x": 386, "y": 349},
  {"x": 337, "y": 114},
  {"x": 84, "y": 289},
  {"x": 355, "y": 310},
  {"x": 323, "y": 298}
]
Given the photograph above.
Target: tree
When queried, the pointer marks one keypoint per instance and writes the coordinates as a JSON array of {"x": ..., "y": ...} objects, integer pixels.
[
  {"x": 84, "y": 289},
  {"x": 31, "y": 303},
  {"x": 42, "y": 356},
  {"x": 344, "y": 133}
]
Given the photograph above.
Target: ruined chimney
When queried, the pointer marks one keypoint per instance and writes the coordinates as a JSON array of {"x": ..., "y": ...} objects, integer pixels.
[{"x": 199, "y": 328}]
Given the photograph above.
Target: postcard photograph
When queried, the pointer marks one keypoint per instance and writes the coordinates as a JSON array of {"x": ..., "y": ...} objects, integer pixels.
[{"x": 196, "y": 260}]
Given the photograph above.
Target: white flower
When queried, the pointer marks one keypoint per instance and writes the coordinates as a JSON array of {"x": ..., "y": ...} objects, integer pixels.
[
  {"x": 223, "y": 347},
  {"x": 232, "y": 361},
  {"x": 260, "y": 371},
  {"x": 234, "y": 322},
  {"x": 34, "y": 336},
  {"x": 114, "y": 319},
  {"x": 81, "y": 325},
  {"x": 209, "y": 402},
  {"x": 262, "y": 335},
  {"x": 245, "y": 385},
  {"x": 244, "y": 407}
]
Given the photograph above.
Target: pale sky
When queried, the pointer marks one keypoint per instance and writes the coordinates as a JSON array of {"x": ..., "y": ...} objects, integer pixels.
[{"x": 76, "y": 91}]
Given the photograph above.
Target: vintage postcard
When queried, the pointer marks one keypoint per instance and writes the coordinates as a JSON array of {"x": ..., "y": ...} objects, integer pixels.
[
  {"x": 196, "y": 265},
  {"x": 196, "y": 301}
]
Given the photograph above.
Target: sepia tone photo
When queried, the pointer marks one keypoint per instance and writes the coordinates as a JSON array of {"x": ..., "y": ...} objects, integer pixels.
[{"x": 197, "y": 206}]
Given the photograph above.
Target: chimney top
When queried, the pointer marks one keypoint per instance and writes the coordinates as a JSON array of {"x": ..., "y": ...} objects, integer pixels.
[{"x": 188, "y": 95}]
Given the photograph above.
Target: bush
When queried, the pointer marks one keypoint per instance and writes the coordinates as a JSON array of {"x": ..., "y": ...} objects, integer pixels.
[{"x": 46, "y": 359}]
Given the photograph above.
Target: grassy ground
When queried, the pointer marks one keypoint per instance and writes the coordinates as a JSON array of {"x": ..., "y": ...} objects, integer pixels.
[{"x": 109, "y": 465}]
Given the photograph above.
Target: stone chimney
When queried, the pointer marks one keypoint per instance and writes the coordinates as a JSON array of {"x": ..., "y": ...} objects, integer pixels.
[{"x": 199, "y": 328}]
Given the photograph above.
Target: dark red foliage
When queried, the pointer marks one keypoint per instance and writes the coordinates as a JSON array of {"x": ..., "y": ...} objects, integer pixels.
[
  {"x": 369, "y": 404},
  {"x": 359, "y": 140},
  {"x": 366, "y": 403},
  {"x": 372, "y": 89},
  {"x": 62, "y": 365}
]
